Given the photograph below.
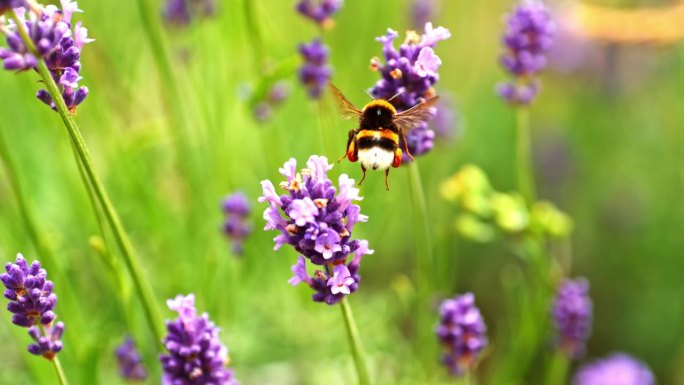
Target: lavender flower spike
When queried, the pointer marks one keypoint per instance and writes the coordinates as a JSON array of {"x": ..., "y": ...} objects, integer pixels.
[
  {"x": 32, "y": 303},
  {"x": 320, "y": 11},
  {"x": 196, "y": 355},
  {"x": 130, "y": 363},
  {"x": 572, "y": 314},
  {"x": 315, "y": 72},
  {"x": 528, "y": 37},
  {"x": 462, "y": 333},
  {"x": 180, "y": 13},
  {"x": 236, "y": 207},
  {"x": 318, "y": 220},
  {"x": 618, "y": 369}
]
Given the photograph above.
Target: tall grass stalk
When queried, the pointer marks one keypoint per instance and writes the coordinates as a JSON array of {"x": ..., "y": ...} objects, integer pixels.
[
  {"x": 557, "y": 370},
  {"x": 143, "y": 288},
  {"x": 524, "y": 172},
  {"x": 359, "y": 354}
]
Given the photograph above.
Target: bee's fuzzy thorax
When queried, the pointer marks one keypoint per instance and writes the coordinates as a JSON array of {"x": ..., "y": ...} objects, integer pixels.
[{"x": 380, "y": 103}]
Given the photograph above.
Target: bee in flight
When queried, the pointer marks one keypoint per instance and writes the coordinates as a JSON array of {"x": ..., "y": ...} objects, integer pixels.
[{"x": 375, "y": 143}]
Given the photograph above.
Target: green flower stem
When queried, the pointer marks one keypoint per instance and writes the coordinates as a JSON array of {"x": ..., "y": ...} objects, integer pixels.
[
  {"x": 525, "y": 173},
  {"x": 145, "y": 293},
  {"x": 59, "y": 371},
  {"x": 356, "y": 346},
  {"x": 557, "y": 370}
]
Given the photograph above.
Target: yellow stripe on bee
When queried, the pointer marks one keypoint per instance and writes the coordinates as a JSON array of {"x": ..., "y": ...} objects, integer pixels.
[
  {"x": 378, "y": 134},
  {"x": 381, "y": 103}
]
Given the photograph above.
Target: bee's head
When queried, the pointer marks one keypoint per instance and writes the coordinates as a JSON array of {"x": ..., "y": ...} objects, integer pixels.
[{"x": 378, "y": 114}]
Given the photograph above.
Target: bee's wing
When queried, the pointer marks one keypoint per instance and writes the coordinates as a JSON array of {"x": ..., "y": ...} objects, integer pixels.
[
  {"x": 347, "y": 109},
  {"x": 415, "y": 115}
]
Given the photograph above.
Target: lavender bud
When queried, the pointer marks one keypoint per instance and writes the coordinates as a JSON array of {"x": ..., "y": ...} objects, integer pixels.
[
  {"x": 618, "y": 369},
  {"x": 572, "y": 314},
  {"x": 320, "y": 11},
  {"x": 180, "y": 13},
  {"x": 131, "y": 366},
  {"x": 315, "y": 72},
  {"x": 236, "y": 227}
]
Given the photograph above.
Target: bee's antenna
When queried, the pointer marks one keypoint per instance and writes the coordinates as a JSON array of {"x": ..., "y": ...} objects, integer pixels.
[
  {"x": 395, "y": 95},
  {"x": 368, "y": 93}
]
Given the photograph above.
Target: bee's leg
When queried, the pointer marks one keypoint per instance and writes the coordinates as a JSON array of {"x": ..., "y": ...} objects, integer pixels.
[
  {"x": 387, "y": 178},
  {"x": 403, "y": 139},
  {"x": 364, "y": 175},
  {"x": 351, "y": 148},
  {"x": 397, "y": 157}
]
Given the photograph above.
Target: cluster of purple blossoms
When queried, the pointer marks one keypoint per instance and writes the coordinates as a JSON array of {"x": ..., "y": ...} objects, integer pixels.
[
  {"x": 572, "y": 315},
  {"x": 50, "y": 29},
  {"x": 196, "y": 355},
  {"x": 31, "y": 303},
  {"x": 236, "y": 207},
  {"x": 617, "y": 369},
  {"x": 275, "y": 96},
  {"x": 318, "y": 222},
  {"x": 130, "y": 363},
  {"x": 180, "y": 13},
  {"x": 408, "y": 77},
  {"x": 462, "y": 333},
  {"x": 528, "y": 37},
  {"x": 320, "y": 11},
  {"x": 315, "y": 72}
]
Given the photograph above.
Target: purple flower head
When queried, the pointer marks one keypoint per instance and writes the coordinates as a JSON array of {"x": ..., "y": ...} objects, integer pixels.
[
  {"x": 617, "y": 369},
  {"x": 528, "y": 38},
  {"x": 180, "y": 13},
  {"x": 236, "y": 226},
  {"x": 409, "y": 75},
  {"x": 32, "y": 303},
  {"x": 195, "y": 353},
  {"x": 315, "y": 72},
  {"x": 6, "y": 5},
  {"x": 462, "y": 333},
  {"x": 317, "y": 220},
  {"x": 131, "y": 366},
  {"x": 572, "y": 315},
  {"x": 320, "y": 11},
  {"x": 57, "y": 43}
]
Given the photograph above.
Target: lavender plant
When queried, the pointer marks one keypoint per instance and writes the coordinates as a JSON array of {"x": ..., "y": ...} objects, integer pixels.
[
  {"x": 572, "y": 316},
  {"x": 319, "y": 11},
  {"x": 315, "y": 72},
  {"x": 131, "y": 366},
  {"x": 195, "y": 355},
  {"x": 180, "y": 13},
  {"x": 32, "y": 303},
  {"x": 461, "y": 332},
  {"x": 236, "y": 227},
  {"x": 617, "y": 369}
]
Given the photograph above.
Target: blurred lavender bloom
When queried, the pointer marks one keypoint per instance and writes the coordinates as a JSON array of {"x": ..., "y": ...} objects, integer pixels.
[
  {"x": 180, "y": 13},
  {"x": 409, "y": 75},
  {"x": 422, "y": 11},
  {"x": 617, "y": 369},
  {"x": 445, "y": 123},
  {"x": 320, "y": 11},
  {"x": 528, "y": 37},
  {"x": 318, "y": 223},
  {"x": 572, "y": 315},
  {"x": 131, "y": 366},
  {"x": 196, "y": 355},
  {"x": 462, "y": 333},
  {"x": 315, "y": 72},
  {"x": 57, "y": 43},
  {"x": 263, "y": 110},
  {"x": 32, "y": 303},
  {"x": 6, "y": 5},
  {"x": 236, "y": 207}
]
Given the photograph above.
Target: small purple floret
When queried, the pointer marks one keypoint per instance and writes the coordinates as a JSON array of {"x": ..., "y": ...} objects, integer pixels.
[
  {"x": 462, "y": 333},
  {"x": 317, "y": 220},
  {"x": 180, "y": 13},
  {"x": 528, "y": 38},
  {"x": 236, "y": 226},
  {"x": 315, "y": 72},
  {"x": 572, "y": 315},
  {"x": 320, "y": 11},
  {"x": 131, "y": 366},
  {"x": 617, "y": 369},
  {"x": 195, "y": 356}
]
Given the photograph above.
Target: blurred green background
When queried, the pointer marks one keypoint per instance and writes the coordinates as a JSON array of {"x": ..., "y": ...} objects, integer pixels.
[{"x": 607, "y": 135}]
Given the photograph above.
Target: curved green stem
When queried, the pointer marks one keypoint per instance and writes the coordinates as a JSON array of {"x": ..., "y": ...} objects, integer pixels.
[
  {"x": 133, "y": 264},
  {"x": 356, "y": 346},
  {"x": 59, "y": 371},
  {"x": 525, "y": 172}
]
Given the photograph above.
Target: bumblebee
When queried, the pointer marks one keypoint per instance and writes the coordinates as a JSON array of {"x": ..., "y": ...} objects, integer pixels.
[{"x": 376, "y": 142}]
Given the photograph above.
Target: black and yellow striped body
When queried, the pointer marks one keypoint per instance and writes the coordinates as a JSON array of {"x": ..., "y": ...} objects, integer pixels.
[{"x": 376, "y": 142}]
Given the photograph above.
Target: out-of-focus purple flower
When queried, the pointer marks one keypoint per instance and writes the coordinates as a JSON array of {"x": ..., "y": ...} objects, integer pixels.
[
  {"x": 131, "y": 366},
  {"x": 32, "y": 303},
  {"x": 236, "y": 227},
  {"x": 57, "y": 43},
  {"x": 6, "y": 5},
  {"x": 528, "y": 38},
  {"x": 275, "y": 96},
  {"x": 318, "y": 219},
  {"x": 315, "y": 72},
  {"x": 572, "y": 315},
  {"x": 445, "y": 123},
  {"x": 422, "y": 11},
  {"x": 180, "y": 13},
  {"x": 462, "y": 333},
  {"x": 409, "y": 75},
  {"x": 195, "y": 356},
  {"x": 320, "y": 11},
  {"x": 617, "y": 369}
]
